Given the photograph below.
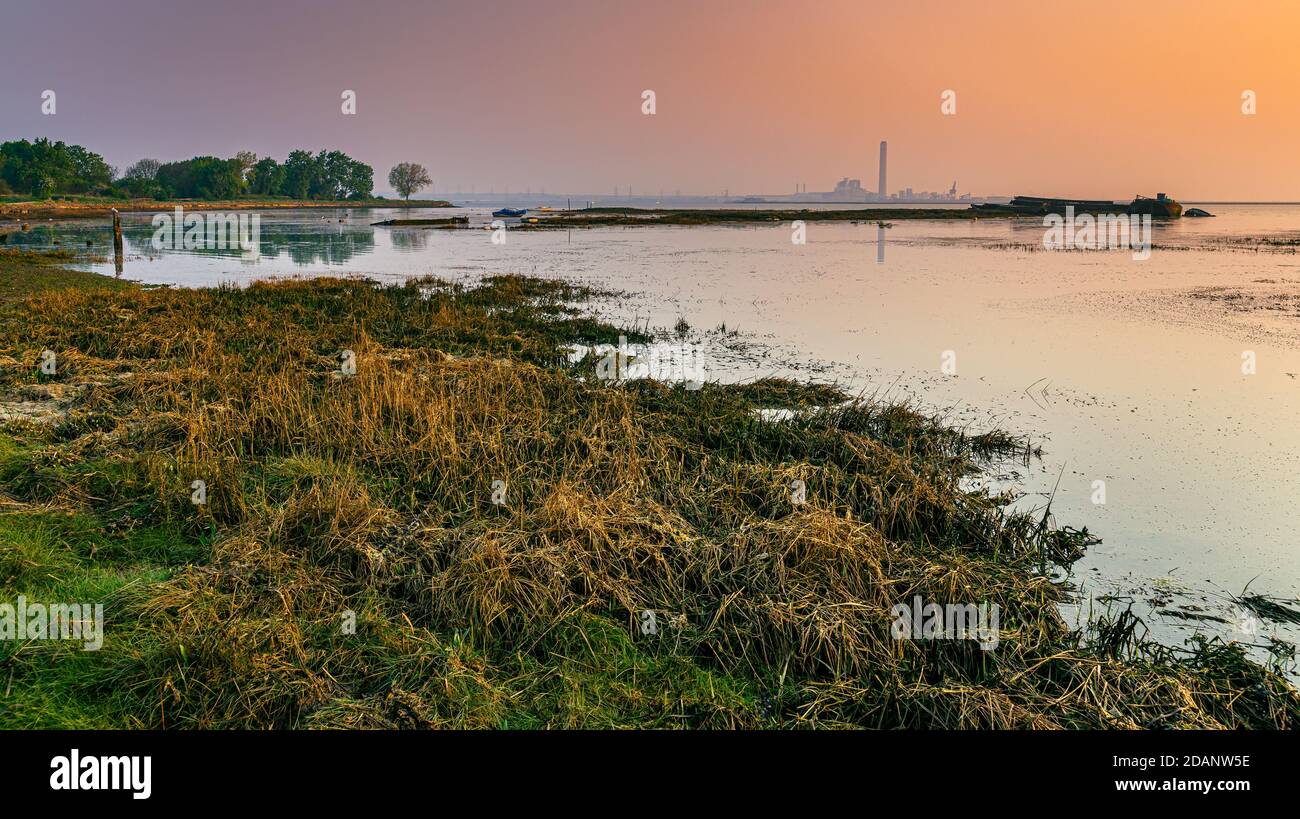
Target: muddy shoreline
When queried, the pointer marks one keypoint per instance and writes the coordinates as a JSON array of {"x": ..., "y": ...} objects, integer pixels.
[
  {"x": 601, "y": 217},
  {"x": 21, "y": 211}
]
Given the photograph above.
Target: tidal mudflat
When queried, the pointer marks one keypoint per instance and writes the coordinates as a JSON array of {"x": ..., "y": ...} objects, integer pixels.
[
  {"x": 1126, "y": 373},
  {"x": 331, "y": 503}
]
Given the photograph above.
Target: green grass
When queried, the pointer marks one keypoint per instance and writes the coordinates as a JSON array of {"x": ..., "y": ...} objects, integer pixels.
[
  {"x": 55, "y": 556},
  {"x": 25, "y": 273}
]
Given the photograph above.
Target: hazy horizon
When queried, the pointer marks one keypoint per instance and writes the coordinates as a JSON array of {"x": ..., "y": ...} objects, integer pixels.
[{"x": 750, "y": 97}]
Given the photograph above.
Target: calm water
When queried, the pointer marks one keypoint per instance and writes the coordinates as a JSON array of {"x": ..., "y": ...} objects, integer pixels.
[{"x": 1128, "y": 372}]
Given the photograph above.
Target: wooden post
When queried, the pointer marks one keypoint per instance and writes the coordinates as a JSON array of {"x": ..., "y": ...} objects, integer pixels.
[{"x": 117, "y": 241}]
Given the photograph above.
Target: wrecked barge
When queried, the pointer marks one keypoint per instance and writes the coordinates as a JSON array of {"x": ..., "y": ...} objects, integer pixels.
[{"x": 1161, "y": 207}]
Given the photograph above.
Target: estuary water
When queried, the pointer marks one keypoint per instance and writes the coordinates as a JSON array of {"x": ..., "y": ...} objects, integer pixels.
[{"x": 1165, "y": 392}]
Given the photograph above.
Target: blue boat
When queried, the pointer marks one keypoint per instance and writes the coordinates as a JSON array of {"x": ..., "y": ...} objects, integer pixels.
[{"x": 510, "y": 212}]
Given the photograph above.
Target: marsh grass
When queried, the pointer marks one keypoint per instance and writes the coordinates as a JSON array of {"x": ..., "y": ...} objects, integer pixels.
[
  {"x": 370, "y": 494},
  {"x": 25, "y": 272}
]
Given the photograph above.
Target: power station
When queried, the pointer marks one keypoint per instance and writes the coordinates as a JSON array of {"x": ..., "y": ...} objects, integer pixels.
[
  {"x": 850, "y": 190},
  {"x": 882, "y": 190}
]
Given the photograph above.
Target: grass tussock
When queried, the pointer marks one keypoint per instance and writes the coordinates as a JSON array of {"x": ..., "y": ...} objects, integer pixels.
[{"x": 468, "y": 531}]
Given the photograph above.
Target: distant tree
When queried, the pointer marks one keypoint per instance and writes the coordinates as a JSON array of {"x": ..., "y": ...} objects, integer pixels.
[
  {"x": 43, "y": 168},
  {"x": 339, "y": 176},
  {"x": 359, "y": 181},
  {"x": 217, "y": 178},
  {"x": 40, "y": 184},
  {"x": 140, "y": 188},
  {"x": 176, "y": 178},
  {"x": 89, "y": 171},
  {"x": 407, "y": 178},
  {"x": 266, "y": 177},
  {"x": 331, "y": 172},
  {"x": 144, "y": 169},
  {"x": 203, "y": 177},
  {"x": 327, "y": 175},
  {"x": 299, "y": 174},
  {"x": 246, "y": 160}
]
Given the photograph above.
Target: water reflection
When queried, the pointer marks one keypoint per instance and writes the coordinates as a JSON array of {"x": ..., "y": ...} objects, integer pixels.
[
  {"x": 304, "y": 245},
  {"x": 409, "y": 240}
]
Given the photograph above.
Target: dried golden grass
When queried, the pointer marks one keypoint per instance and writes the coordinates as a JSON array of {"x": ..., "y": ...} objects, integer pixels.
[{"x": 371, "y": 493}]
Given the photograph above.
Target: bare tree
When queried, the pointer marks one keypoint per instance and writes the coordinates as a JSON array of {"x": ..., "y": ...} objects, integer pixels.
[
  {"x": 408, "y": 177},
  {"x": 144, "y": 169}
]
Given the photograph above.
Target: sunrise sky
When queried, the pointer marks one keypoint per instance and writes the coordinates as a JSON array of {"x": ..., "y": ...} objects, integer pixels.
[{"x": 1097, "y": 99}]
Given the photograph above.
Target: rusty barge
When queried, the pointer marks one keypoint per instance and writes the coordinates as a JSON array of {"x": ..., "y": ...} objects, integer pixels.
[{"x": 1160, "y": 207}]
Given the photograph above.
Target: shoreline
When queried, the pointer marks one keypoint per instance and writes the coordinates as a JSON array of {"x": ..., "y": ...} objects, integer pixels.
[
  {"x": 87, "y": 210},
  {"x": 598, "y": 217}
]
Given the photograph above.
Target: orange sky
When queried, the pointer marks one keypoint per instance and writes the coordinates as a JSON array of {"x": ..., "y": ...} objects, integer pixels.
[
  {"x": 1098, "y": 99},
  {"x": 1091, "y": 99}
]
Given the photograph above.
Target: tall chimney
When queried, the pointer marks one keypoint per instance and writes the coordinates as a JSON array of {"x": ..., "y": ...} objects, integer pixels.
[{"x": 884, "y": 192}]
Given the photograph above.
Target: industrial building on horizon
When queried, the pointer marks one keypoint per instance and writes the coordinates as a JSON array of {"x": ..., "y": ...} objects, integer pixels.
[
  {"x": 884, "y": 151},
  {"x": 850, "y": 190}
]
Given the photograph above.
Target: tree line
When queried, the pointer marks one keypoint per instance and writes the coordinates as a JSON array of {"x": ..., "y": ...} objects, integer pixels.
[{"x": 42, "y": 169}]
